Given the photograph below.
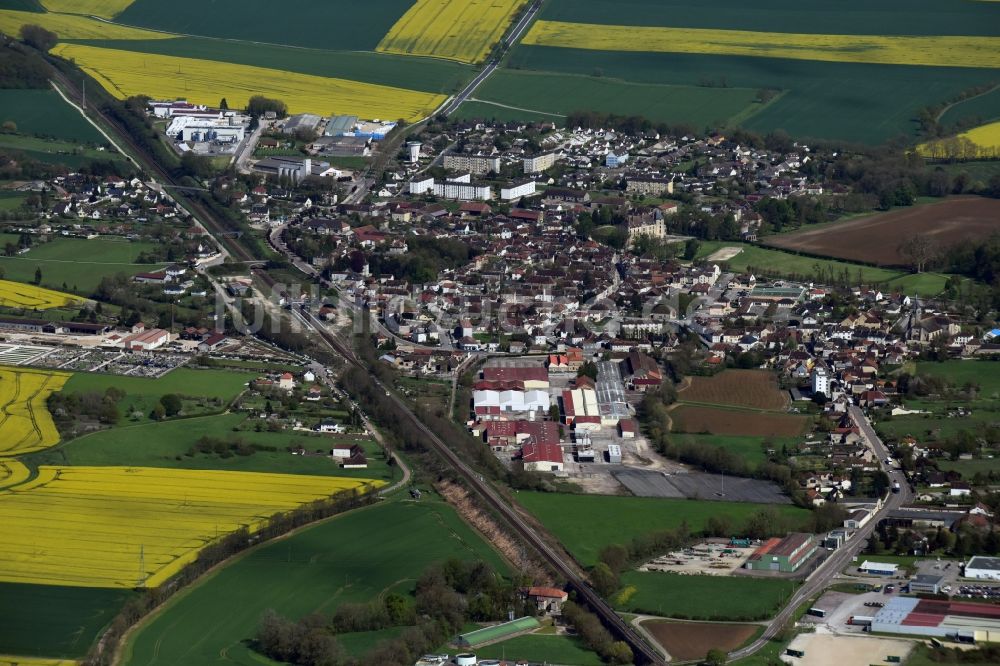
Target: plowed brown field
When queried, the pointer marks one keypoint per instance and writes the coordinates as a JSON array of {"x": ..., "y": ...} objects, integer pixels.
[
  {"x": 693, "y": 640},
  {"x": 754, "y": 389},
  {"x": 876, "y": 239},
  {"x": 696, "y": 419}
]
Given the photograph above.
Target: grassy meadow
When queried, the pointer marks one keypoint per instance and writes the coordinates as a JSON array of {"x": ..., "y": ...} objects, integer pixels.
[
  {"x": 352, "y": 558},
  {"x": 43, "y": 113},
  {"x": 584, "y": 524},
  {"x": 699, "y": 597}
]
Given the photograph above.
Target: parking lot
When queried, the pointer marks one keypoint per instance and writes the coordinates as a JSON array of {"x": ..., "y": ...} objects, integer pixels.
[
  {"x": 713, "y": 558},
  {"x": 698, "y": 485},
  {"x": 825, "y": 649}
]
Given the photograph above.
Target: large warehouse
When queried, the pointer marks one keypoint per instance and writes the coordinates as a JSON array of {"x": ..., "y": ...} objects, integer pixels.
[
  {"x": 927, "y": 617},
  {"x": 983, "y": 568},
  {"x": 785, "y": 555}
]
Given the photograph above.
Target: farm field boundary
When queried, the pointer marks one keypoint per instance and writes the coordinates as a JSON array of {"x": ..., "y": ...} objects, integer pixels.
[
  {"x": 928, "y": 50},
  {"x": 875, "y": 239},
  {"x": 25, "y": 422},
  {"x": 64, "y": 527}
]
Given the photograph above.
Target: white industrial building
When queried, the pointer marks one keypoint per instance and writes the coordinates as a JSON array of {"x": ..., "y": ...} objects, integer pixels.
[
  {"x": 581, "y": 409},
  {"x": 983, "y": 568},
  {"x": 878, "y": 568},
  {"x": 226, "y": 129},
  {"x": 512, "y": 401},
  {"x": 295, "y": 168},
  {"x": 513, "y": 191}
]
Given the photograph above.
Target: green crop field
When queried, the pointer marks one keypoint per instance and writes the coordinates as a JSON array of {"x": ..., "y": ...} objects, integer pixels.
[
  {"x": 748, "y": 447},
  {"x": 44, "y": 113},
  {"x": 437, "y": 76},
  {"x": 547, "y": 93},
  {"x": 11, "y": 201},
  {"x": 586, "y": 523},
  {"x": 851, "y": 101},
  {"x": 352, "y": 558},
  {"x": 765, "y": 261},
  {"x": 78, "y": 263},
  {"x": 983, "y": 108},
  {"x": 55, "y": 151},
  {"x": 222, "y": 384},
  {"x": 166, "y": 445},
  {"x": 699, "y": 597},
  {"x": 51, "y": 621},
  {"x": 503, "y": 113},
  {"x": 342, "y": 24}
]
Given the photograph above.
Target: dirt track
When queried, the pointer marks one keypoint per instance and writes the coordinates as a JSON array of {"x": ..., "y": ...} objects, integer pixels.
[{"x": 876, "y": 239}]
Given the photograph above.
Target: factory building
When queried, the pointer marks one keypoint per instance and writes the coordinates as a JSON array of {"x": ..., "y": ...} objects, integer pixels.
[
  {"x": 785, "y": 555},
  {"x": 983, "y": 568},
  {"x": 956, "y": 620},
  {"x": 225, "y": 129}
]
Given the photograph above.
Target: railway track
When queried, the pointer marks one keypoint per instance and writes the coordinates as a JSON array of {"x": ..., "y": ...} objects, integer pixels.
[
  {"x": 204, "y": 216},
  {"x": 643, "y": 652}
]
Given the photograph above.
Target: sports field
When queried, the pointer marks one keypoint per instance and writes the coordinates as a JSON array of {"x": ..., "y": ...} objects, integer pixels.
[
  {"x": 585, "y": 524},
  {"x": 752, "y": 389},
  {"x": 876, "y": 239},
  {"x": 79, "y": 264},
  {"x": 354, "y": 557},
  {"x": 462, "y": 30},
  {"x": 30, "y": 297},
  {"x": 25, "y": 422},
  {"x": 700, "y": 597},
  {"x": 126, "y": 73},
  {"x": 129, "y": 527}
]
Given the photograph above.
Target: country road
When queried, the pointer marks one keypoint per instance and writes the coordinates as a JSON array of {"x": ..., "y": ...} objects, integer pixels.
[{"x": 839, "y": 559}]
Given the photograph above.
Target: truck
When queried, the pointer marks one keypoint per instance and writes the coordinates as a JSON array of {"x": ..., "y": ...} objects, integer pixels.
[
  {"x": 816, "y": 612},
  {"x": 895, "y": 486},
  {"x": 791, "y": 652},
  {"x": 861, "y": 620}
]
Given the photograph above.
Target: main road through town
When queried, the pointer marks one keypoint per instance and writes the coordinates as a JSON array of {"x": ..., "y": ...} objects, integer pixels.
[{"x": 840, "y": 558}]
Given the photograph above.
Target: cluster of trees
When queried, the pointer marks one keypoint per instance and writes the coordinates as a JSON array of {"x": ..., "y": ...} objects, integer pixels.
[
  {"x": 628, "y": 124},
  {"x": 224, "y": 448},
  {"x": 424, "y": 260},
  {"x": 595, "y": 636},
  {"x": 965, "y": 542},
  {"x": 447, "y": 596},
  {"x": 987, "y": 654},
  {"x": 38, "y": 37},
  {"x": 259, "y": 105},
  {"x": 169, "y": 404},
  {"x": 71, "y": 410},
  {"x": 20, "y": 68}
]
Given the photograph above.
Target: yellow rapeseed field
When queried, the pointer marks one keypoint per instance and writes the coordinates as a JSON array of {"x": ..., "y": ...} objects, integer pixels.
[
  {"x": 20, "y": 295},
  {"x": 462, "y": 30},
  {"x": 13, "y": 473},
  {"x": 25, "y": 422},
  {"x": 68, "y": 26},
  {"x": 103, "y": 8},
  {"x": 126, "y": 73},
  {"x": 939, "y": 51},
  {"x": 10, "y": 660},
  {"x": 981, "y": 142},
  {"x": 93, "y": 526}
]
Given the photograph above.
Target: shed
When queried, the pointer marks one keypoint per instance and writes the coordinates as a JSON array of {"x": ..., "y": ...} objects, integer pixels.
[{"x": 497, "y": 632}]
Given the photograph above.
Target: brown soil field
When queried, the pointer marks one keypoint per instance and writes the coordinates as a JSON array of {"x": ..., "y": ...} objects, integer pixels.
[
  {"x": 697, "y": 419},
  {"x": 693, "y": 640},
  {"x": 875, "y": 239},
  {"x": 756, "y": 389}
]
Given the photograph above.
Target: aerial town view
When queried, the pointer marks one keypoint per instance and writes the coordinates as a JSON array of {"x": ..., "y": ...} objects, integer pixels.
[{"x": 499, "y": 332}]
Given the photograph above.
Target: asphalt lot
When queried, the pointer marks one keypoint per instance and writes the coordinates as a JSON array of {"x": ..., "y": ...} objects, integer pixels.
[{"x": 698, "y": 485}]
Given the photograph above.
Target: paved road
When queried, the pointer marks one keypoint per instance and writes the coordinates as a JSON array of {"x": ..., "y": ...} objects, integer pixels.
[
  {"x": 246, "y": 150},
  {"x": 491, "y": 66},
  {"x": 839, "y": 559}
]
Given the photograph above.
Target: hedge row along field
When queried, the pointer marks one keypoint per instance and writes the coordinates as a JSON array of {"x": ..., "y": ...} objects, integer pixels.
[
  {"x": 126, "y": 73},
  {"x": 124, "y": 527},
  {"x": 20, "y": 295},
  {"x": 69, "y": 26},
  {"x": 931, "y": 50},
  {"x": 103, "y": 8},
  {"x": 25, "y": 422},
  {"x": 978, "y": 143},
  {"x": 462, "y": 30}
]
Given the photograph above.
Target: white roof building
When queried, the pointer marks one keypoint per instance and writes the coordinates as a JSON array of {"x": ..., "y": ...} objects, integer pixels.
[{"x": 512, "y": 401}]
